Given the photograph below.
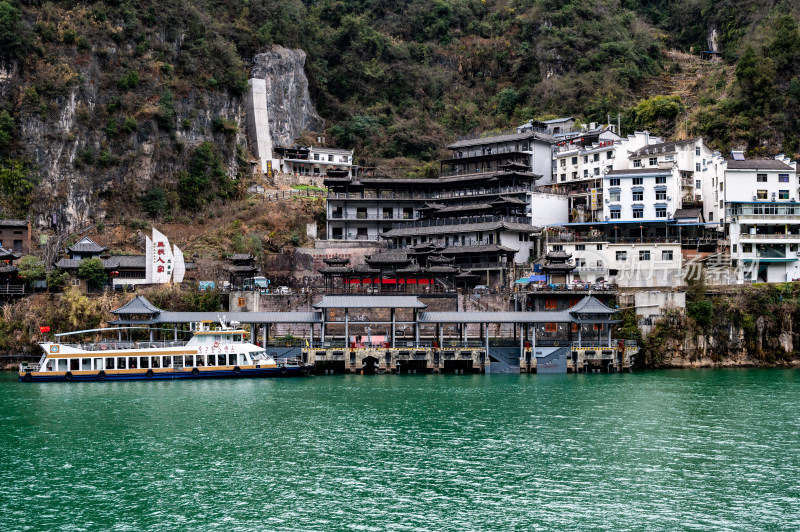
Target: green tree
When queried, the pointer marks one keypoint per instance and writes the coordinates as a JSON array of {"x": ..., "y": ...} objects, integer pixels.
[
  {"x": 205, "y": 179},
  {"x": 7, "y": 129},
  {"x": 507, "y": 100},
  {"x": 16, "y": 185},
  {"x": 57, "y": 278},
  {"x": 10, "y": 29},
  {"x": 658, "y": 110},
  {"x": 785, "y": 47},
  {"x": 31, "y": 269},
  {"x": 755, "y": 77},
  {"x": 154, "y": 202},
  {"x": 93, "y": 271}
]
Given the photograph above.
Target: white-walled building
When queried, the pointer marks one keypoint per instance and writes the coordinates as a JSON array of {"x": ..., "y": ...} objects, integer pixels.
[
  {"x": 313, "y": 160},
  {"x": 642, "y": 195},
  {"x": 627, "y": 264},
  {"x": 763, "y": 217},
  {"x": 487, "y": 154}
]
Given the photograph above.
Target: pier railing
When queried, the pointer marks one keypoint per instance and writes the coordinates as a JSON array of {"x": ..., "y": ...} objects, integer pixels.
[{"x": 120, "y": 346}]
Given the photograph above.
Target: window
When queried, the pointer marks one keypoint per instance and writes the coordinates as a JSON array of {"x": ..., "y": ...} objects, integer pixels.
[
  {"x": 710, "y": 216},
  {"x": 550, "y": 327},
  {"x": 615, "y": 214},
  {"x": 609, "y": 155},
  {"x": 734, "y": 248},
  {"x": 783, "y": 178},
  {"x": 661, "y": 212},
  {"x": 638, "y": 212},
  {"x": 793, "y": 247},
  {"x": 747, "y": 248},
  {"x": 783, "y": 194},
  {"x": 644, "y": 255},
  {"x": 622, "y": 256},
  {"x": 761, "y": 194},
  {"x": 580, "y": 263},
  {"x": 614, "y": 182},
  {"x": 661, "y": 194},
  {"x": 563, "y": 163},
  {"x": 580, "y": 247},
  {"x": 558, "y": 247},
  {"x": 586, "y": 173},
  {"x": 637, "y": 163},
  {"x": 596, "y": 157},
  {"x": 638, "y": 195},
  {"x": 653, "y": 161},
  {"x": 698, "y": 184},
  {"x": 638, "y": 180},
  {"x": 661, "y": 180},
  {"x": 242, "y": 302},
  {"x": 316, "y": 156},
  {"x": 614, "y": 195},
  {"x": 574, "y": 161},
  {"x": 666, "y": 255},
  {"x": 697, "y": 151},
  {"x": 330, "y": 158},
  {"x": 574, "y": 175},
  {"x": 697, "y": 167},
  {"x": 563, "y": 177},
  {"x": 761, "y": 178},
  {"x": 585, "y": 159},
  {"x": 599, "y": 247}
]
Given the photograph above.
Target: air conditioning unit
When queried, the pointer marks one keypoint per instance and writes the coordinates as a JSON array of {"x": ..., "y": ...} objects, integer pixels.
[
  {"x": 798, "y": 253},
  {"x": 606, "y": 218},
  {"x": 606, "y": 200},
  {"x": 669, "y": 198},
  {"x": 755, "y": 198}
]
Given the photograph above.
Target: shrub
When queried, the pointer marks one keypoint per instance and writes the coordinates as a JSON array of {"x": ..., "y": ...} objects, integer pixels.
[
  {"x": 129, "y": 80},
  {"x": 93, "y": 272},
  {"x": 154, "y": 202}
]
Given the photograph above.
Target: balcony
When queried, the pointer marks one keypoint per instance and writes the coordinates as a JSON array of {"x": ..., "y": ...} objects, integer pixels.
[
  {"x": 362, "y": 216},
  {"x": 772, "y": 236}
]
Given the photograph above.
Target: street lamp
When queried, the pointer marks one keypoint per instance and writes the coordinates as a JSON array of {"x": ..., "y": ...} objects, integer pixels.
[{"x": 641, "y": 234}]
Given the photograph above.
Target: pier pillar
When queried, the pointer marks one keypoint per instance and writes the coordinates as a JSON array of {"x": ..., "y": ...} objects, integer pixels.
[
  {"x": 311, "y": 336},
  {"x": 393, "y": 327},
  {"x": 346, "y": 329}
]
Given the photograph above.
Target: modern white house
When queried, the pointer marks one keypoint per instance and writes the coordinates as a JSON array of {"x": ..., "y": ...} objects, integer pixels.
[
  {"x": 313, "y": 160},
  {"x": 642, "y": 194},
  {"x": 645, "y": 263},
  {"x": 763, "y": 218}
]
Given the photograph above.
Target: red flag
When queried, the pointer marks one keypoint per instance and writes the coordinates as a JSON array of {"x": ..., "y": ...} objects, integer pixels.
[{"x": 44, "y": 329}]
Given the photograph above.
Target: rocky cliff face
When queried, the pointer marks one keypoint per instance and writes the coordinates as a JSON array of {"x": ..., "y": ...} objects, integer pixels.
[
  {"x": 98, "y": 146},
  {"x": 291, "y": 111}
]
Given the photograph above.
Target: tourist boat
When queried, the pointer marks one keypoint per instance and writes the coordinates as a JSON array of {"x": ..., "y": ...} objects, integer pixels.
[{"x": 219, "y": 352}]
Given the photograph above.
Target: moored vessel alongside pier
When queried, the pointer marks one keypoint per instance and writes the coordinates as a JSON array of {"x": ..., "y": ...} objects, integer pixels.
[{"x": 220, "y": 352}]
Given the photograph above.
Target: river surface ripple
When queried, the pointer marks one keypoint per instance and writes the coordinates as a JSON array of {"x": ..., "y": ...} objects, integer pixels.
[{"x": 670, "y": 450}]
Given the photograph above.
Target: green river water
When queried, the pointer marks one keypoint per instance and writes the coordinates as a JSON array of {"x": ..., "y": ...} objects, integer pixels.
[{"x": 670, "y": 450}]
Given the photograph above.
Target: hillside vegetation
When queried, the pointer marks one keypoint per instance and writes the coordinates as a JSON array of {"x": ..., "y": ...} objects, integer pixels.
[{"x": 394, "y": 80}]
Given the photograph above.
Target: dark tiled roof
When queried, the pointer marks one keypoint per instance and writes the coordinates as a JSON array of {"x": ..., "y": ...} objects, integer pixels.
[
  {"x": 131, "y": 261},
  {"x": 73, "y": 264},
  {"x": 241, "y": 257},
  {"x": 7, "y": 254},
  {"x": 663, "y": 147},
  {"x": 440, "y": 259},
  {"x": 460, "y": 228},
  {"x": 591, "y": 305},
  {"x": 87, "y": 245},
  {"x": 558, "y": 255},
  {"x": 336, "y": 260},
  {"x": 639, "y": 171},
  {"x": 508, "y": 199},
  {"x": 502, "y": 138},
  {"x": 759, "y": 164},
  {"x": 441, "y": 269},
  {"x": 14, "y": 223},
  {"x": 486, "y": 248},
  {"x": 137, "y": 305},
  {"x": 688, "y": 213},
  {"x": 464, "y": 208},
  {"x": 335, "y": 270},
  {"x": 389, "y": 257},
  {"x": 242, "y": 269},
  {"x": 370, "y": 302},
  {"x": 8, "y": 268}
]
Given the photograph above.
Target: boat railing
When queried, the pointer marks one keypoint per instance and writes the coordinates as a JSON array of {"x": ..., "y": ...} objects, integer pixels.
[
  {"x": 121, "y": 346},
  {"x": 30, "y": 366}
]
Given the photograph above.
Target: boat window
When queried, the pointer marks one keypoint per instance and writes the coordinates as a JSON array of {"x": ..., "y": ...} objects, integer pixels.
[
  {"x": 242, "y": 359},
  {"x": 109, "y": 363},
  {"x": 132, "y": 363},
  {"x": 237, "y": 337},
  {"x": 99, "y": 363},
  {"x": 144, "y": 362},
  {"x": 74, "y": 364},
  {"x": 232, "y": 359},
  {"x": 189, "y": 360},
  {"x": 156, "y": 362},
  {"x": 86, "y": 364},
  {"x": 200, "y": 360},
  {"x": 220, "y": 360},
  {"x": 62, "y": 364},
  {"x": 122, "y": 363},
  {"x": 217, "y": 337}
]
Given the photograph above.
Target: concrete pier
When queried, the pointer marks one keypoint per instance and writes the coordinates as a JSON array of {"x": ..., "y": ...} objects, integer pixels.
[{"x": 365, "y": 360}]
